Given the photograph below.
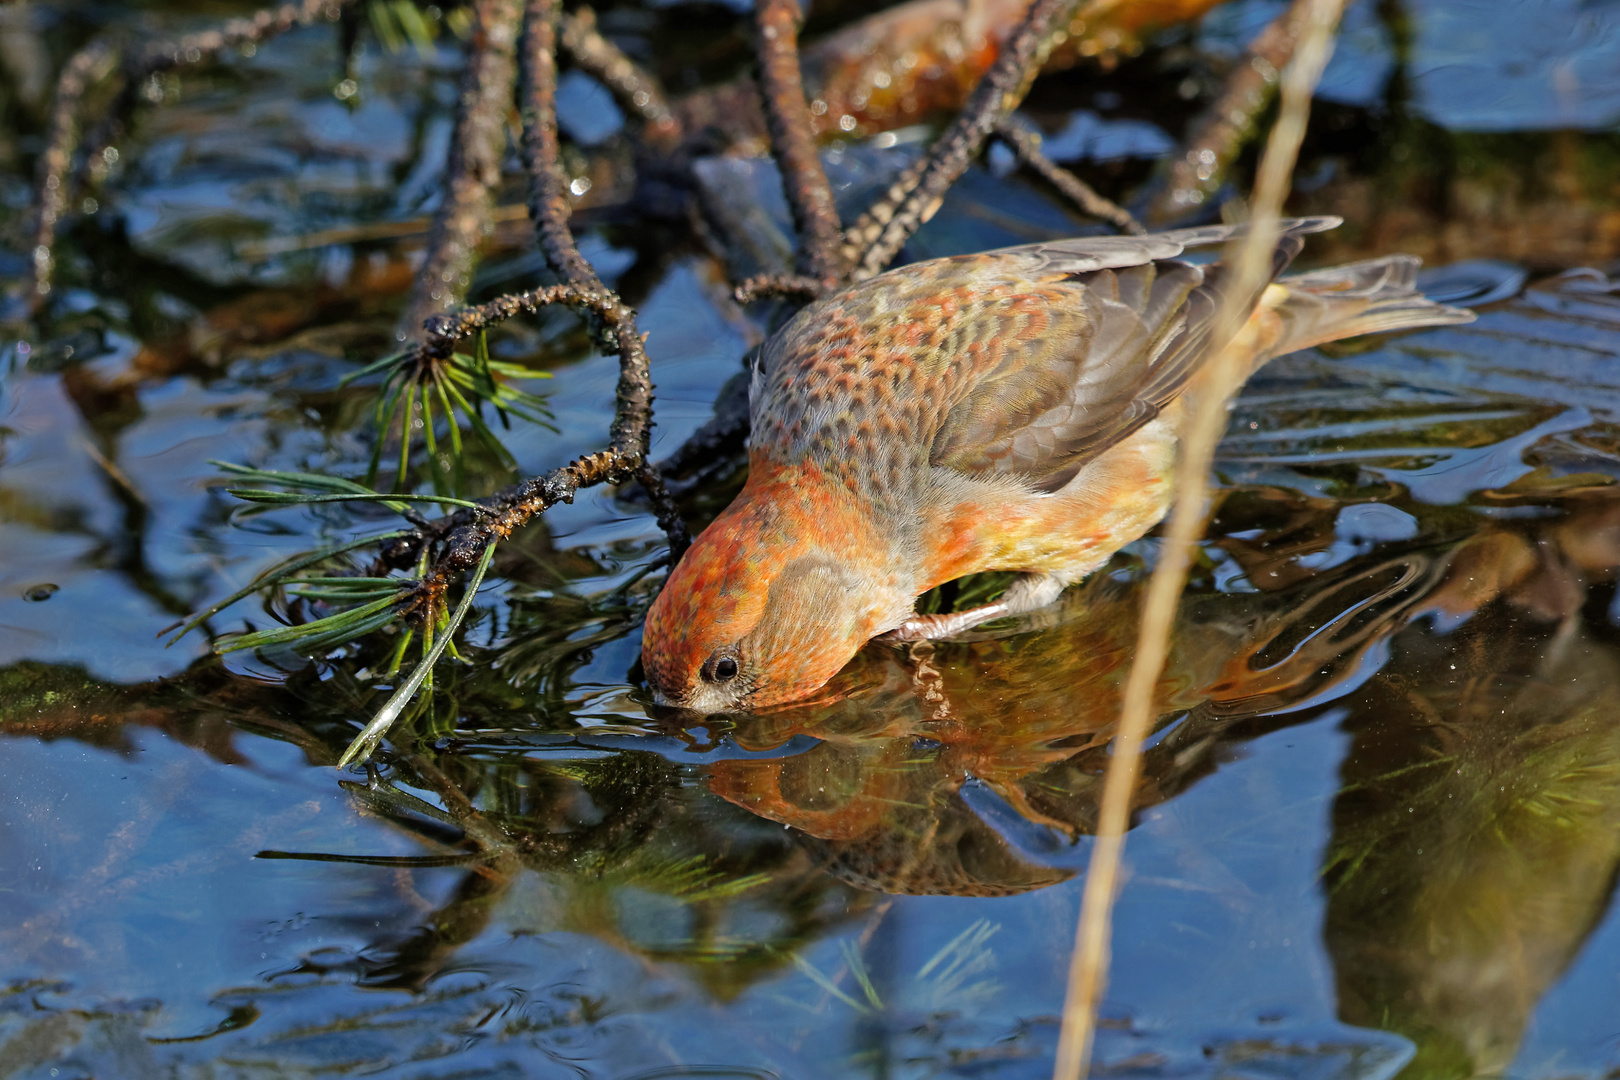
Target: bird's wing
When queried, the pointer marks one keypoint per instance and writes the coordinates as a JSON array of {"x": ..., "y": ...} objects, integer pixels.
[{"x": 1134, "y": 327}]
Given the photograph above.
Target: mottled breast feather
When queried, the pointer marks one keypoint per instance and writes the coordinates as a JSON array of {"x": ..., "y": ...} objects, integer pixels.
[{"x": 1026, "y": 362}]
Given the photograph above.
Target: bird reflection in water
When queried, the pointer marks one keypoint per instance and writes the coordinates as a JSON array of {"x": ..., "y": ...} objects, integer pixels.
[
  {"x": 1474, "y": 840},
  {"x": 900, "y": 792}
]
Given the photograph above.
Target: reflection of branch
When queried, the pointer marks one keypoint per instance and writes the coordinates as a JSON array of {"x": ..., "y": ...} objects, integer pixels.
[
  {"x": 881, "y": 232},
  {"x": 635, "y": 88},
  {"x": 776, "y": 41},
  {"x": 51, "y": 195},
  {"x": 1249, "y": 263},
  {"x": 1026, "y": 143},
  {"x": 61, "y": 138},
  {"x": 253, "y": 29},
  {"x": 473, "y": 168},
  {"x": 1222, "y": 130}
]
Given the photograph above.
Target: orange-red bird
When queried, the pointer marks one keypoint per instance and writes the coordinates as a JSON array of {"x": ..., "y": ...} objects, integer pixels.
[{"x": 1013, "y": 410}]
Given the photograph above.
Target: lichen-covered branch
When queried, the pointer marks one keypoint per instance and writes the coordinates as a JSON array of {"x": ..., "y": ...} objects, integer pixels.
[
  {"x": 635, "y": 88},
  {"x": 1221, "y": 131},
  {"x": 1026, "y": 143},
  {"x": 787, "y": 116},
  {"x": 473, "y": 169},
  {"x": 887, "y": 226}
]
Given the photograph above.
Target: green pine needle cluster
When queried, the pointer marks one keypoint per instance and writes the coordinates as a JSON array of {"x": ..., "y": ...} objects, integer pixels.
[
  {"x": 438, "y": 391},
  {"x": 401, "y": 23},
  {"x": 418, "y": 393}
]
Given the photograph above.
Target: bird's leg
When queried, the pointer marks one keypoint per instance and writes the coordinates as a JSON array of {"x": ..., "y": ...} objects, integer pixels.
[{"x": 1026, "y": 594}]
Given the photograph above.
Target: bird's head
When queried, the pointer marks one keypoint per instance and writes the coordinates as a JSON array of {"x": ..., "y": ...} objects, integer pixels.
[{"x": 758, "y": 613}]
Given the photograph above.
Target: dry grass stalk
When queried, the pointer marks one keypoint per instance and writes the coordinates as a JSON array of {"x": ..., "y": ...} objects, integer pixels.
[{"x": 1250, "y": 258}]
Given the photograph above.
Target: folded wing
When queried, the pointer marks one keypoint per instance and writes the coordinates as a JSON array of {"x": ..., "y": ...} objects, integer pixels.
[{"x": 1140, "y": 326}]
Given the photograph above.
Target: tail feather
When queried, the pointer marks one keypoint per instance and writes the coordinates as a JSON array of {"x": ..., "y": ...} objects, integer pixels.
[{"x": 1369, "y": 297}]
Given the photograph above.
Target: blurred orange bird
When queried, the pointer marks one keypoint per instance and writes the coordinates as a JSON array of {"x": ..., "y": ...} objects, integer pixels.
[{"x": 1013, "y": 410}]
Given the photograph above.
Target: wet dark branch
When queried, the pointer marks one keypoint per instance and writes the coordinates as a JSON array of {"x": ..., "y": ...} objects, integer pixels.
[
  {"x": 792, "y": 285},
  {"x": 442, "y": 333},
  {"x": 473, "y": 168},
  {"x": 887, "y": 226},
  {"x": 1221, "y": 131},
  {"x": 252, "y": 30},
  {"x": 549, "y": 208},
  {"x": 55, "y": 163},
  {"x": 464, "y": 535},
  {"x": 635, "y": 89},
  {"x": 1026, "y": 143},
  {"x": 626, "y": 455},
  {"x": 787, "y": 116},
  {"x": 95, "y": 61}
]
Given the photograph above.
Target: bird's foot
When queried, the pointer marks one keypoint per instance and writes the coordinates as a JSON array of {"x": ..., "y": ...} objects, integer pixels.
[
  {"x": 1028, "y": 593},
  {"x": 932, "y": 627}
]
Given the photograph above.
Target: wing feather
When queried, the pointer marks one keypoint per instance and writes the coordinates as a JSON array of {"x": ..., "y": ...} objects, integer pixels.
[{"x": 1145, "y": 321}]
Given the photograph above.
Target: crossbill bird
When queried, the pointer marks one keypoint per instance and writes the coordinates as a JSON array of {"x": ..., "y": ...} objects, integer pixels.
[{"x": 1012, "y": 410}]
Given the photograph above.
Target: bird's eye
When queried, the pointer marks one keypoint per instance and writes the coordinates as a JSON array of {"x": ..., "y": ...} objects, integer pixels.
[{"x": 721, "y": 668}]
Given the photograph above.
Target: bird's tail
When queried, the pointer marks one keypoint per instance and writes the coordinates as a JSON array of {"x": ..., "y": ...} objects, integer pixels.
[{"x": 1359, "y": 298}]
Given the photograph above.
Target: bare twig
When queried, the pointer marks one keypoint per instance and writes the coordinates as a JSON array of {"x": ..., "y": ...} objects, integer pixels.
[
  {"x": 442, "y": 333},
  {"x": 881, "y": 232},
  {"x": 473, "y": 168},
  {"x": 787, "y": 115},
  {"x": 252, "y": 30},
  {"x": 1250, "y": 259},
  {"x": 61, "y": 138},
  {"x": 635, "y": 88},
  {"x": 548, "y": 186},
  {"x": 548, "y": 206},
  {"x": 632, "y": 418},
  {"x": 1026, "y": 143},
  {"x": 1219, "y": 134},
  {"x": 763, "y": 285}
]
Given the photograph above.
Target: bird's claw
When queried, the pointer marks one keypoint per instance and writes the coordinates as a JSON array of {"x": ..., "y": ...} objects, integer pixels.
[{"x": 934, "y": 627}]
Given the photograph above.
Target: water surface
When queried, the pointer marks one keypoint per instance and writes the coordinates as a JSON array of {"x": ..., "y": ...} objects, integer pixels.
[{"x": 1377, "y": 829}]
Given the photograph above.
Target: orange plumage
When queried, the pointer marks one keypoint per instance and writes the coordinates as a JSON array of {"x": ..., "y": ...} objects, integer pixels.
[{"x": 1014, "y": 410}]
